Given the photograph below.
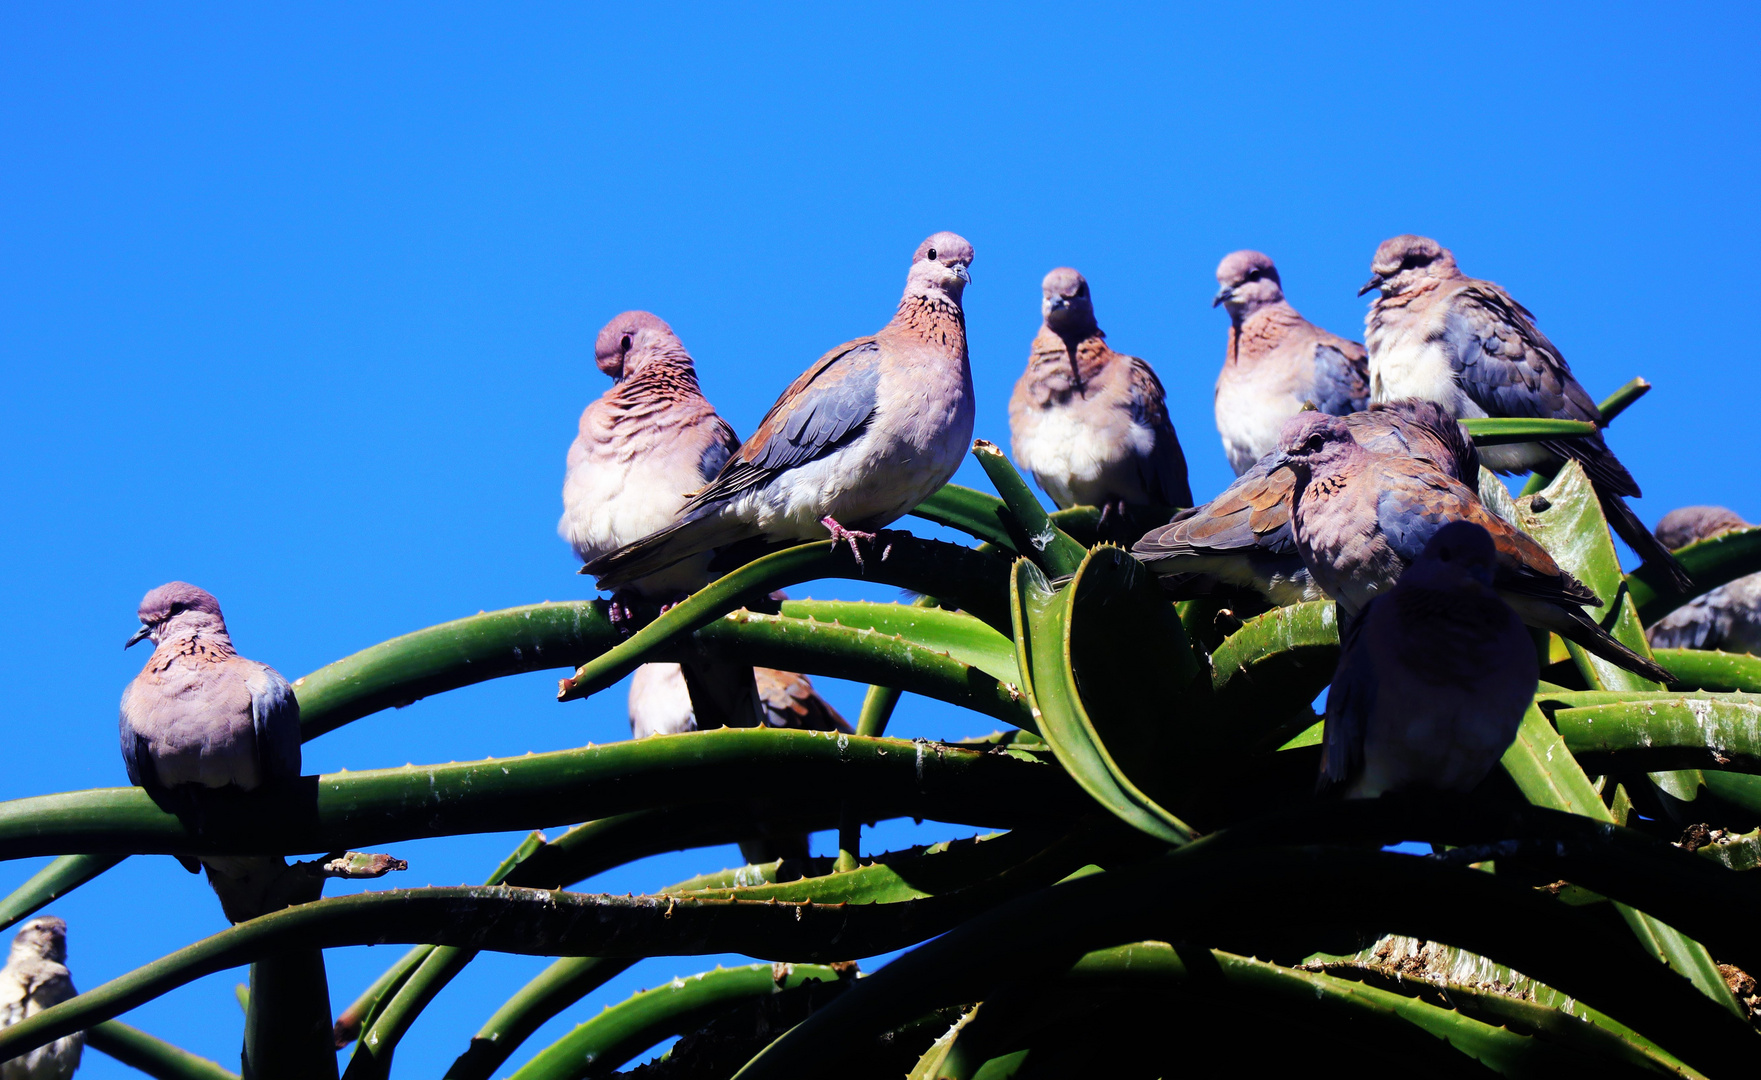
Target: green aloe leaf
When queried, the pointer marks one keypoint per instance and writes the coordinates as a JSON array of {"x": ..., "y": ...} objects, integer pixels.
[
  {"x": 1710, "y": 563},
  {"x": 1708, "y": 669},
  {"x": 1042, "y": 648},
  {"x": 1660, "y": 731},
  {"x": 358, "y": 810},
  {"x": 1501, "y": 430},
  {"x": 961, "y": 577},
  {"x": 559, "y": 986},
  {"x": 1622, "y": 399},
  {"x": 1031, "y": 530},
  {"x": 956, "y": 633},
  {"x": 150, "y": 1055},
  {"x": 1206, "y": 889},
  {"x": 1265, "y": 674},
  {"x": 981, "y": 516},
  {"x": 599, "y": 1046}
]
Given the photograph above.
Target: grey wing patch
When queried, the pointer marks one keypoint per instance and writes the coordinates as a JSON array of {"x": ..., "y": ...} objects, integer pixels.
[
  {"x": 1163, "y": 473},
  {"x": 275, "y": 718},
  {"x": 1341, "y": 383},
  {"x": 720, "y": 449},
  {"x": 830, "y": 409},
  {"x": 1350, "y": 701},
  {"x": 1506, "y": 366},
  {"x": 136, "y": 759}
]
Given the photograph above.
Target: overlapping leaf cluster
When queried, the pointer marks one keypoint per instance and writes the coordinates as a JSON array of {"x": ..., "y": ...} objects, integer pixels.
[{"x": 1160, "y": 877}]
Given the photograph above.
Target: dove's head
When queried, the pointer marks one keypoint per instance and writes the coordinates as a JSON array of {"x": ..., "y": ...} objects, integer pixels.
[
  {"x": 1065, "y": 303},
  {"x": 44, "y": 936},
  {"x": 1407, "y": 261},
  {"x": 1246, "y": 282},
  {"x": 940, "y": 265},
  {"x": 1684, "y": 526},
  {"x": 1313, "y": 443},
  {"x": 176, "y": 607},
  {"x": 1459, "y": 551},
  {"x": 631, "y": 340}
]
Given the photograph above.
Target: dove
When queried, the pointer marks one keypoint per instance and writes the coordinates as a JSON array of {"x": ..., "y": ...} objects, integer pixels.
[
  {"x": 643, "y": 447},
  {"x": 1434, "y": 676},
  {"x": 873, "y": 428},
  {"x": 1727, "y": 618},
  {"x": 1360, "y": 519},
  {"x": 1243, "y": 538},
  {"x": 1435, "y": 333},
  {"x": 660, "y": 705},
  {"x": 35, "y": 978},
  {"x": 199, "y": 715},
  {"x": 1277, "y": 364},
  {"x": 1091, "y": 424}
]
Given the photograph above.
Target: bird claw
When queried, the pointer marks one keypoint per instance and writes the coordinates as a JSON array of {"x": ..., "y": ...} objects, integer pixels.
[
  {"x": 841, "y": 535},
  {"x": 621, "y": 613}
]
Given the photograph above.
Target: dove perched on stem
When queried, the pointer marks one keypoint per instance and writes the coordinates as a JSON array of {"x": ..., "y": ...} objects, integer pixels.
[
  {"x": 1091, "y": 424},
  {"x": 1278, "y": 362},
  {"x": 643, "y": 447},
  {"x": 1243, "y": 537},
  {"x": 873, "y": 428},
  {"x": 1727, "y": 618},
  {"x": 199, "y": 715},
  {"x": 1435, "y": 333},
  {"x": 1360, "y": 519},
  {"x": 1434, "y": 676},
  {"x": 35, "y": 978}
]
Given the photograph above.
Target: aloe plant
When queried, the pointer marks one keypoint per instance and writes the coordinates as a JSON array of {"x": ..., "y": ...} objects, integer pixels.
[{"x": 1157, "y": 875}]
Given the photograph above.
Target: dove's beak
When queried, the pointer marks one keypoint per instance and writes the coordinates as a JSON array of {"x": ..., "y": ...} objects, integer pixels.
[
  {"x": 962, "y": 273},
  {"x": 1375, "y": 282},
  {"x": 138, "y": 636},
  {"x": 1223, "y": 295}
]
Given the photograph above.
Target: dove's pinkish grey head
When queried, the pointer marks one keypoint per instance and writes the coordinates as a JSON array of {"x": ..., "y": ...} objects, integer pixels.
[
  {"x": 176, "y": 606},
  {"x": 940, "y": 264},
  {"x": 1311, "y": 443},
  {"x": 1406, "y": 261},
  {"x": 1246, "y": 282},
  {"x": 1064, "y": 301},
  {"x": 44, "y": 936},
  {"x": 631, "y": 339}
]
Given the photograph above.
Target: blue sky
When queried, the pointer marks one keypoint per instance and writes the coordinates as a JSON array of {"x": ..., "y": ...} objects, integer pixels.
[{"x": 299, "y": 306}]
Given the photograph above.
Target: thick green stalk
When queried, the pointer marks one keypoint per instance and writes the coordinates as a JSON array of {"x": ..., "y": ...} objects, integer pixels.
[
  {"x": 360, "y": 810},
  {"x": 1503, "y": 430},
  {"x": 961, "y": 576},
  {"x": 153, "y": 1056},
  {"x": 560, "y": 985},
  {"x": 1707, "y": 669},
  {"x": 978, "y": 515},
  {"x": 599, "y": 1046},
  {"x": 923, "y": 624},
  {"x": 1619, "y": 401},
  {"x": 1031, "y": 530}
]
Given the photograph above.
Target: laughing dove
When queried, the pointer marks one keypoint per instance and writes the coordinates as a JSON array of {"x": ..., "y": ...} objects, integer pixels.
[
  {"x": 1727, "y": 618},
  {"x": 199, "y": 714},
  {"x": 660, "y": 704},
  {"x": 1091, "y": 424},
  {"x": 644, "y": 447},
  {"x": 1278, "y": 362},
  {"x": 1243, "y": 537},
  {"x": 35, "y": 978},
  {"x": 1435, "y": 333},
  {"x": 1361, "y": 518},
  {"x": 1433, "y": 678},
  {"x": 873, "y": 428}
]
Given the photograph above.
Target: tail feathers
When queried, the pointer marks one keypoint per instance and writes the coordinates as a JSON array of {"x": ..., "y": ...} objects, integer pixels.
[
  {"x": 1572, "y": 623},
  {"x": 661, "y": 549},
  {"x": 1629, "y": 528}
]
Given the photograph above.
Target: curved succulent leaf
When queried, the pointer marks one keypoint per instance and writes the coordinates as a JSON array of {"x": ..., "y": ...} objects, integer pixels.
[
  {"x": 150, "y": 1055},
  {"x": 1265, "y": 674},
  {"x": 1502, "y": 430},
  {"x": 981, "y": 516},
  {"x": 1031, "y": 530},
  {"x": 956, "y": 633},
  {"x": 1710, "y": 563},
  {"x": 1708, "y": 669},
  {"x": 1622, "y": 399}
]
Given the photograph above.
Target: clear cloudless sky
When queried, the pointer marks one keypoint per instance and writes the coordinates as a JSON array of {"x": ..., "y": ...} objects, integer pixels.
[{"x": 299, "y": 305}]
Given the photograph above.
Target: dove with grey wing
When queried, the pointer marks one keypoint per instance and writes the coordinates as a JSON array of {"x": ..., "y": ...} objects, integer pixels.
[
  {"x": 1435, "y": 333},
  {"x": 1277, "y": 363},
  {"x": 1727, "y": 618},
  {"x": 1089, "y": 423}
]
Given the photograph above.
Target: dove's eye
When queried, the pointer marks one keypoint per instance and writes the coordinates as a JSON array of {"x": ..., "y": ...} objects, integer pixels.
[
  {"x": 1314, "y": 444},
  {"x": 177, "y": 609},
  {"x": 626, "y": 345},
  {"x": 931, "y": 255}
]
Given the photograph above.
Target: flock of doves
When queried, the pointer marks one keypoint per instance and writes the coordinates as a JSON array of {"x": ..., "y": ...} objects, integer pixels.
[{"x": 1354, "y": 483}]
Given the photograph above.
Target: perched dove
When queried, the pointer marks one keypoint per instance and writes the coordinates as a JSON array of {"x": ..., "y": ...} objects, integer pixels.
[
  {"x": 1243, "y": 537},
  {"x": 1362, "y": 518},
  {"x": 199, "y": 714},
  {"x": 869, "y": 431},
  {"x": 35, "y": 978},
  {"x": 1278, "y": 362},
  {"x": 644, "y": 447},
  {"x": 660, "y": 704},
  {"x": 1435, "y": 333},
  {"x": 1727, "y": 618},
  {"x": 1434, "y": 676},
  {"x": 1091, "y": 424}
]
